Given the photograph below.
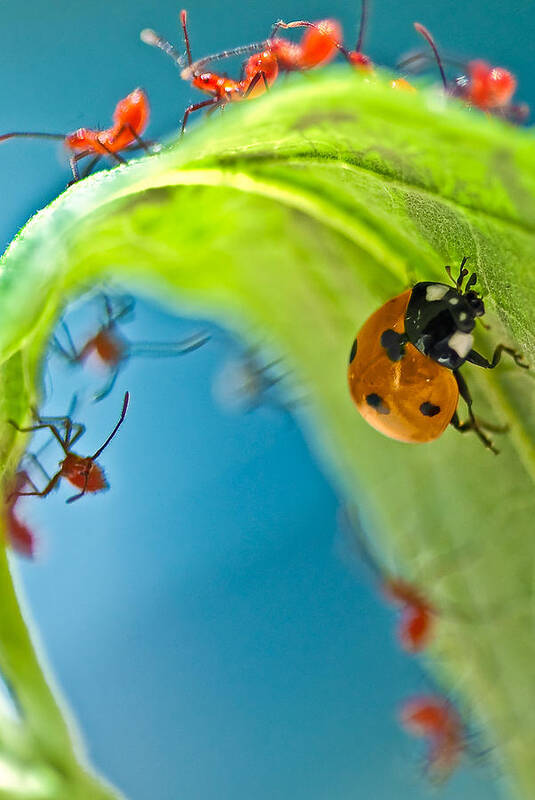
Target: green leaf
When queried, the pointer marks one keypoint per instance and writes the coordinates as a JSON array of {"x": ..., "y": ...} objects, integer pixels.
[{"x": 297, "y": 215}]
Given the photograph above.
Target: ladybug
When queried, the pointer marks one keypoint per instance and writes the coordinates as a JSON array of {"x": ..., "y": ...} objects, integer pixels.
[{"x": 404, "y": 367}]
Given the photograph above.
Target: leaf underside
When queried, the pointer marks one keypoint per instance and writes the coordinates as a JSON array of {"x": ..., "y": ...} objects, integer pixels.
[{"x": 293, "y": 217}]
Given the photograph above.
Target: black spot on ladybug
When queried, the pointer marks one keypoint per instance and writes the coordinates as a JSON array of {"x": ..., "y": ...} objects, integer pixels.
[
  {"x": 378, "y": 403},
  {"x": 353, "y": 352},
  {"x": 394, "y": 344},
  {"x": 429, "y": 410}
]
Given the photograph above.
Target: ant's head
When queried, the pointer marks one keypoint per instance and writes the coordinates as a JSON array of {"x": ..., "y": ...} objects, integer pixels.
[
  {"x": 359, "y": 60},
  {"x": 206, "y": 81},
  {"x": 490, "y": 87}
]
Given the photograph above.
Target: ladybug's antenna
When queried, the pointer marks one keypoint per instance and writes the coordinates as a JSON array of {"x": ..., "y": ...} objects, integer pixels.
[
  {"x": 422, "y": 30},
  {"x": 458, "y": 282},
  {"x": 363, "y": 24},
  {"x": 472, "y": 280},
  {"x": 155, "y": 40},
  {"x": 114, "y": 431}
]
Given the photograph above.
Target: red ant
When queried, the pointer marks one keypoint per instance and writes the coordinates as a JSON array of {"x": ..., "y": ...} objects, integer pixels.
[
  {"x": 434, "y": 718},
  {"x": 418, "y": 616},
  {"x": 259, "y": 72},
  {"x": 19, "y": 535},
  {"x": 417, "y": 622},
  {"x": 486, "y": 87},
  {"x": 114, "y": 349},
  {"x": 82, "y": 471},
  {"x": 330, "y": 28},
  {"x": 318, "y": 46},
  {"x": 130, "y": 119}
]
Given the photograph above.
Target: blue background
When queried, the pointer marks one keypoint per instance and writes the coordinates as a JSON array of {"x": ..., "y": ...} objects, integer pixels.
[{"x": 210, "y": 628}]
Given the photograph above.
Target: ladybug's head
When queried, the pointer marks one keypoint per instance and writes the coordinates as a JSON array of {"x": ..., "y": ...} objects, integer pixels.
[{"x": 475, "y": 302}]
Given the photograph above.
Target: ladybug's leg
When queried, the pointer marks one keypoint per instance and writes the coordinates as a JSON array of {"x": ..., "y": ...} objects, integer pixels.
[
  {"x": 471, "y": 424},
  {"x": 480, "y": 361}
]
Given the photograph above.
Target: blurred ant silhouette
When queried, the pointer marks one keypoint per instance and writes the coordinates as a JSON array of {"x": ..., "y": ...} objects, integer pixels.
[
  {"x": 19, "y": 535},
  {"x": 259, "y": 72},
  {"x": 83, "y": 472},
  {"x": 245, "y": 383},
  {"x": 488, "y": 88},
  {"x": 114, "y": 350}
]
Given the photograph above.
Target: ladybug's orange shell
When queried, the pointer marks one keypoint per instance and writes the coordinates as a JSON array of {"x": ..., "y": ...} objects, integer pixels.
[{"x": 402, "y": 386}]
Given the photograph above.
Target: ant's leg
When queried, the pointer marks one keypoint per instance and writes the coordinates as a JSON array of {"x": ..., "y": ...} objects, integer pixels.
[
  {"x": 73, "y": 356},
  {"x": 48, "y": 488},
  {"x": 472, "y": 423},
  {"x": 108, "y": 387},
  {"x": 258, "y": 77},
  {"x": 195, "y": 107},
  {"x": 35, "y": 461},
  {"x": 122, "y": 311},
  {"x": 91, "y": 166},
  {"x": 73, "y": 161},
  {"x": 141, "y": 143},
  {"x": 480, "y": 361},
  {"x": 84, "y": 489},
  {"x": 39, "y": 427},
  {"x": 79, "y": 430},
  {"x": 169, "y": 349},
  {"x": 112, "y": 153},
  {"x": 12, "y": 496}
]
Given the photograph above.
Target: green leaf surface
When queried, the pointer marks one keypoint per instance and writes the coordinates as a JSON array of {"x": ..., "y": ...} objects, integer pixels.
[{"x": 295, "y": 216}]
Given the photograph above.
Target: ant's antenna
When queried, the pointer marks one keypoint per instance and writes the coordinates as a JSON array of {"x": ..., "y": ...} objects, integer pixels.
[
  {"x": 183, "y": 21},
  {"x": 155, "y": 40},
  {"x": 422, "y": 30},
  {"x": 58, "y": 136},
  {"x": 245, "y": 50},
  {"x": 363, "y": 23},
  {"x": 114, "y": 431}
]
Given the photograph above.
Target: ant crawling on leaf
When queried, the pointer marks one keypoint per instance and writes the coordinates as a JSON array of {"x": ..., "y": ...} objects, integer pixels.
[
  {"x": 434, "y": 718},
  {"x": 130, "y": 118},
  {"x": 488, "y": 88},
  {"x": 113, "y": 349},
  {"x": 20, "y": 537},
  {"x": 247, "y": 382},
  {"x": 259, "y": 72},
  {"x": 83, "y": 472}
]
